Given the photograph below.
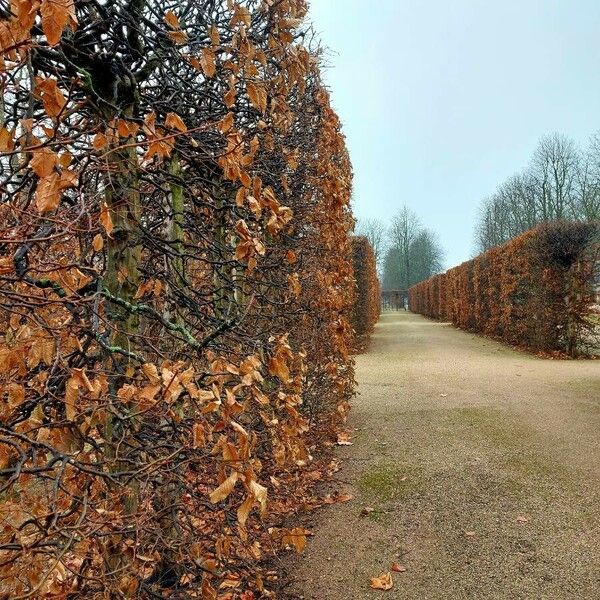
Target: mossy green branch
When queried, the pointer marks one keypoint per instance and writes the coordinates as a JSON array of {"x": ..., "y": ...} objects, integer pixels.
[
  {"x": 136, "y": 309},
  {"x": 46, "y": 284}
]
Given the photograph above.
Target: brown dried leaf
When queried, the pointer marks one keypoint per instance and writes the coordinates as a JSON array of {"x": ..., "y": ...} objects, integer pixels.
[
  {"x": 106, "y": 219},
  {"x": 55, "y": 16},
  {"x": 71, "y": 397},
  {"x": 336, "y": 497},
  {"x": 224, "y": 489},
  {"x": 171, "y": 19},
  {"x": 98, "y": 242},
  {"x": 278, "y": 368},
  {"x": 343, "y": 439},
  {"x": 174, "y": 121},
  {"x": 151, "y": 372},
  {"x": 260, "y": 494},
  {"x": 208, "y": 62},
  {"x": 179, "y": 37},
  {"x": 258, "y": 96},
  {"x": 215, "y": 37},
  {"x": 295, "y": 537},
  {"x": 383, "y": 582},
  {"x": 100, "y": 141},
  {"x": 229, "y": 97},
  {"x": 16, "y": 395},
  {"x": 6, "y": 140},
  {"x": 7, "y": 265},
  {"x": 43, "y": 162},
  {"x": 243, "y": 511},
  {"x": 52, "y": 97},
  {"x": 226, "y": 123},
  {"x": 199, "y": 436},
  {"x": 47, "y": 193}
]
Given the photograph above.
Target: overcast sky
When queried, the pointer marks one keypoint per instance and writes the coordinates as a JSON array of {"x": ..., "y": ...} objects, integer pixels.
[{"x": 442, "y": 100}]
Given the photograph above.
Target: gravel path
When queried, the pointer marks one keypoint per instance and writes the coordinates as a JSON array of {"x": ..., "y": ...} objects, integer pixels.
[{"x": 481, "y": 465}]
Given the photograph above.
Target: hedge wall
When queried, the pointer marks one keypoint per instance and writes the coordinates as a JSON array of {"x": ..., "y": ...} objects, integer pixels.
[
  {"x": 175, "y": 292},
  {"x": 366, "y": 304},
  {"x": 534, "y": 291}
]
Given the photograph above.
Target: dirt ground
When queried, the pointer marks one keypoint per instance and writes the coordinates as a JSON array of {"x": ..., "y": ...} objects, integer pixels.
[{"x": 481, "y": 465}]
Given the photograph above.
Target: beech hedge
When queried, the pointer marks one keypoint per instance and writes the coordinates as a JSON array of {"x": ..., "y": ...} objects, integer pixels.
[
  {"x": 367, "y": 299},
  {"x": 534, "y": 291},
  {"x": 175, "y": 292}
]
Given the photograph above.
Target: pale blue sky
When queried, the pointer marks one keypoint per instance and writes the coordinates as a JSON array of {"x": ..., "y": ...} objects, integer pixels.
[{"x": 442, "y": 100}]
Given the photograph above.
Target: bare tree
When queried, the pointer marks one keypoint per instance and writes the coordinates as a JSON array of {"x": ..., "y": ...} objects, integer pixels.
[
  {"x": 587, "y": 185},
  {"x": 561, "y": 182},
  {"x": 427, "y": 256},
  {"x": 413, "y": 252},
  {"x": 403, "y": 231},
  {"x": 553, "y": 167},
  {"x": 374, "y": 231}
]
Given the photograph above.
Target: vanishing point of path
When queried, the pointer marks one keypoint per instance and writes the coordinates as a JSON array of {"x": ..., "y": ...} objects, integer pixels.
[{"x": 482, "y": 465}]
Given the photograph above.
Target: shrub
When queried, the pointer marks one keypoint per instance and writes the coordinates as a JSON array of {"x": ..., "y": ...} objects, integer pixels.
[
  {"x": 175, "y": 288},
  {"x": 367, "y": 302},
  {"x": 534, "y": 291}
]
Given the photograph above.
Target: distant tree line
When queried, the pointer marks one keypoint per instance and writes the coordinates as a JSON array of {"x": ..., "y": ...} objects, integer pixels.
[
  {"x": 406, "y": 252},
  {"x": 562, "y": 181}
]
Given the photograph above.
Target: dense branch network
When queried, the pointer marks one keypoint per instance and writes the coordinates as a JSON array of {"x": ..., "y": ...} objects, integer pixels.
[{"x": 175, "y": 280}]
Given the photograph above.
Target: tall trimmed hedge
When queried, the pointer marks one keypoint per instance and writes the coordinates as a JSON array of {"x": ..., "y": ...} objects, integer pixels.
[
  {"x": 534, "y": 291},
  {"x": 175, "y": 291},
  {"x": 367, "y": 300}
]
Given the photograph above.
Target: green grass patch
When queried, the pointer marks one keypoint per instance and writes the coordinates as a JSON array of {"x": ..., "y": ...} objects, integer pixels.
[{"x": 387, "y": 481}]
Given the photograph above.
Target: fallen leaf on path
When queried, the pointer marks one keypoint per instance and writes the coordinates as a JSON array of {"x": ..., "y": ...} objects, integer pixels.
[
  {"x": 343, "y": 439},
  {"x": 367, "y": 510},
  {"x": 336, "y": 497},
  {"x": 398, "y": 568},
  {"x": 383, "y": 582},
  {"x": 522, "y": 519},
  {"x": 470, "y": 533},
  {"x": 334, "y": 466},
  {"x": 295, "y": 537}
]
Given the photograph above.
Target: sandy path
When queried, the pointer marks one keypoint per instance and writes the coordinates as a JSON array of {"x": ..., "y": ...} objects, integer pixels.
[{"x": 457, "y": 439}]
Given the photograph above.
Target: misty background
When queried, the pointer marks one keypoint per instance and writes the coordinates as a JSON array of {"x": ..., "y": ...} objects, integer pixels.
[{"x": 443, "y": 101}]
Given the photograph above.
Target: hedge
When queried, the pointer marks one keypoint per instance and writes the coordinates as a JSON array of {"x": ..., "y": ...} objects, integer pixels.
[
  {"x": 367, "y": 298},
  {"x": 534, "y": 291},
  {"x": 175, "y": 292}
]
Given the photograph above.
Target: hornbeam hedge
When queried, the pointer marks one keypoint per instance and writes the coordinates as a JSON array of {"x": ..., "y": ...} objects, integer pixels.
[
  {"x": 534, "y": 291},
  {"x": 367, "y": 301},
  {"x": 175, "y": 288}
]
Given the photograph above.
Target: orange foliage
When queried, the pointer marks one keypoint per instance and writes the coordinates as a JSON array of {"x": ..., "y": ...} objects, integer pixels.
[
  {"x": 367, "y": 301},
  {"x": 175, "y": 289},
  {"x": 534, "y": 291}
]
